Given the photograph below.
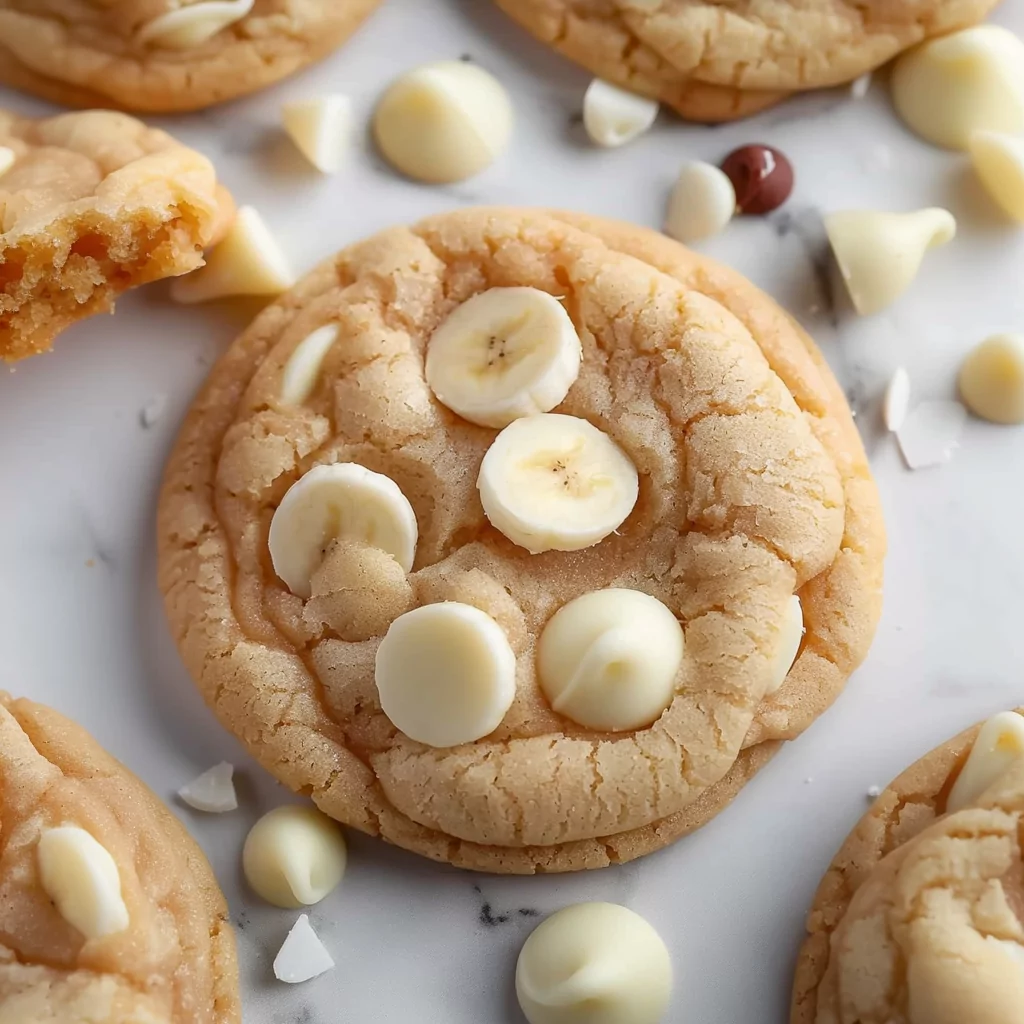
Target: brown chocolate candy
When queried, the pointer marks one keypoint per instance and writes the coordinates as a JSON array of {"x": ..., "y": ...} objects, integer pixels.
[{"x": 761, "y": 176}]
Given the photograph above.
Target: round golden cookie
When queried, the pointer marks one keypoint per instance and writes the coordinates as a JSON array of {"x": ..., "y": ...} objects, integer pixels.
[
  {"x": 175, "y": 961},
  {"x": 909, "y": 894},
  {"x": 718, "y": 61},
  {"x": 753, "y": 486},
  {"x": 86, "y": 53}
]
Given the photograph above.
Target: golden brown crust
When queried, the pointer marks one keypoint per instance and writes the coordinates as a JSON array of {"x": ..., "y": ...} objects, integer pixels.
[{"x": 175, "y": 964}]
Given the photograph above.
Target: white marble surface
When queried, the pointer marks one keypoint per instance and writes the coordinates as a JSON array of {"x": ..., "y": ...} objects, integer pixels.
[{"x": 81, "y": 625}]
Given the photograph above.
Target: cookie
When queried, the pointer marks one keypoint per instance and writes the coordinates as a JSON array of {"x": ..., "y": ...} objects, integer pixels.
[
  {"x": 98, "y": 53},
  {"x": 93, "y": 204},
  {"x": 722, "y": 61},
  {"x": 880, "y": 911},
  {"x": 752, "y": 487},
  {"x": 82, "y": 840}
]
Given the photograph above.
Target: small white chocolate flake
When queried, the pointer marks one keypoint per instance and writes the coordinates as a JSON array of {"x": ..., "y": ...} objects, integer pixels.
[
  {"x": 321, "y": 128},
  {"x": 613, "y": 116},
  {"x": 302, "y": 956},
  {"x": 897, "y": 400},
  {"x": 930, "y": 432},
  {"x": 859, "y": 86},
  {"x": 191, "y": 26},
  {"x": 152, "y": 411},
  {"x": 702, "y": 203},
  {"x": 992, "y": 379},
  {"x": 998, "y": 160},
  {"x": 301, "y": 372},
  {"x": 213, "y": 791},
  {"x": 874, "y": 792},
  {"x": 7, "y": 159}
]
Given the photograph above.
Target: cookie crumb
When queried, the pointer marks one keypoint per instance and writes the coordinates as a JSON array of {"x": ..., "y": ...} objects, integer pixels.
[
  {"x": 152, "y": 411},
  {"x": 808, "y": 780},
  {"x": 874, "y": 792}
]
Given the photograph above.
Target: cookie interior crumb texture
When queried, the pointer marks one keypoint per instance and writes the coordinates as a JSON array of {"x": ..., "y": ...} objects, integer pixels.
[
  {"x": 753, "y": 487},
  {"x": 95, "y": 203},
  {"x": 175, "y": 962}
]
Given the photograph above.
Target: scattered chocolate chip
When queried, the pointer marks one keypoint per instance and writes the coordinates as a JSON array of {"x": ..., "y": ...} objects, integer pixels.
[{"x": 761, "y": 176}]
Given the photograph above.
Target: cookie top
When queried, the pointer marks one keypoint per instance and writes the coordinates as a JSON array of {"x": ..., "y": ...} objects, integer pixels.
[
  {"x": 106, "y": 53},
  {"x": 93, "y": 204},
  {"x": 745, "y": 497},
  {"x": 715, "y": 61},
  {"x": 166, "y": 954},
  {"x": 925, "y": 896}
]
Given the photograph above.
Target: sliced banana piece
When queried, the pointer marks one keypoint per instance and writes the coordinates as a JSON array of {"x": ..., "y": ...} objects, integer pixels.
[
  {"x": 791, "y": 634},
  {"x": 556, "y": 483},
  {"x": 504, "y": 354},
  {"x": 340, "y": 501},
  {"x": 999, "y": 744},
  {"x": 300, "y": 374},
  {"x": 446, "y": 674},
  {"x": 190, "y": 26}
]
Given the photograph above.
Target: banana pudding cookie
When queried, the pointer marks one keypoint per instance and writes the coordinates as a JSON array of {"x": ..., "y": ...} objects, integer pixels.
[
  {"x": 108, "y": 910},
  {"x": 714, "y": 61},
  {"x": 92, "y": 204},
  {"x": 920, "y": 918},
  {"x": 519, "y": 539},
  {"x": 165, "y": 55}
]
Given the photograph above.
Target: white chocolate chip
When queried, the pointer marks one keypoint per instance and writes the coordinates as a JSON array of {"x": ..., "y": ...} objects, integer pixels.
[
  {"x": 152, "y": 412},
  {"x": 950, "y": 87},
  {"x": 321, "y": 128},
  {"x": 187, "y": 27},
  {"x": 82, "y": 879},
  {"x": 702, "y": 203},
  {"x": 998, "y": 160},
  {"x": 609, "y": 659},
  {"x": 302, "y": 956},
  {"x": 930, "y": 432},
  {"x": 613, "y": 116},
  {"x": 213, "y": 791},
  {"x": 992, "y": 379},
  {"x": 443, "y": 122},
  {"x": 294, "y": 856},
  {"x": 247, "y": 262},
  {"x": 594, "y": 962},
  {"x": 7, "y": 158},
  {"x": 999, "y": 744},
  {"x": 791, "y": 634},
  {"x": 445, "y": 674},
  {"x": 896, "y": 401},
  {"x": 879, "y": 254},
  {"x": 301, "y": 372}
]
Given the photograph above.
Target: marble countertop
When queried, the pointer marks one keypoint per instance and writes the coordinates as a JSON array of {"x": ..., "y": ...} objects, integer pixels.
[{"x": 81, "y": 623}]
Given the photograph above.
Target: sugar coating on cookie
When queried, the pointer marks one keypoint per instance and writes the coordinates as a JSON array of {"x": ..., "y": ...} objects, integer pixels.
[
  {"x": 677, "y": 384},
  {"x": 110, "y": 910},
  {"x": 94, "y": 203}
]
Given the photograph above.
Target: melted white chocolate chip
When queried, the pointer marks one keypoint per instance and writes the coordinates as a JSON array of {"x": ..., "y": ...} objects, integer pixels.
[
  {"x": 192, "y": 25},
  {"x": 999, "y": 744}
]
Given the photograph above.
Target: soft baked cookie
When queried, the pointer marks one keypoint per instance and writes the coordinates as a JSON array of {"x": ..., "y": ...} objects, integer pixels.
[
  {"x": 108, "y": 910},
  {"x": 753, "y": 486},
  {"x": 119, "y": 53},
  {"x": 920, "y": 917},
  {"x": 717, "y": 61},
  {"x": 94, "y": 203}
]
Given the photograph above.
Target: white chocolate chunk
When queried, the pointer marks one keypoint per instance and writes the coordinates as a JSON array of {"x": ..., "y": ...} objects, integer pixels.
[
  {"x": 302, "y": 956},
  {"x": 998, "y": 745},
  {"x": 82, "y": 879},
  {"x": 321, "y": 128},
  {"x": 702, "y": 203},
  {"x": 594, "y": 963},
  {"x": 7, "y": 159},
  {"x": 992, "y": 379},
  {"x": 791, "y": 634},
  {"x": 213, "y": 791},
  {"x": 609, "y": 659},
  {"x": 445, "y": 674},
  {"x": 952, "y": 86},
  {"x": 247, "y": 262},
  {"x": 998, "y": 160},
  {"x": 613, "y": 116},
  {"x": 301, "y": 372},
  {"x": 294, "y": 856},
  {"x": 341, "y": 501},
  {"x": 896, "y": 401},
  {"x": 859, "y": 87},
  {"x": 503, "y": 354},
  {"x": 930, "y": 432},
  {"x": 879, "y": 254},
  {"x": 556, "y": 483},
  {"x": 443, "y": 122},
  {"x": 187, "y": 27}
]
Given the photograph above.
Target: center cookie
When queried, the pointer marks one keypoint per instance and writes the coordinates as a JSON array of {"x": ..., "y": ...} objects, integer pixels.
[{"x": 489, "y": 536}]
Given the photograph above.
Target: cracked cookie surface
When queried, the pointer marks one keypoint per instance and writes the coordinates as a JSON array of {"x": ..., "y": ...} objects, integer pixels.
[
  {"x": 714, "y": 61},
  {"x": 95, "y": 203},
  {"x": 175, "y": 962},
  {"x": 753, "y": 486},
  {"x": 86, "y": 53}
]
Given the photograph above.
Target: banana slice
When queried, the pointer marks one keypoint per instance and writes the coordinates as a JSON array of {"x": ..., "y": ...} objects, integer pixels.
[
  {"x": 330, "y": 502},
  {"x": 503, "y": 354},
  {"x": 556, "y": 483},
  {"x": 445, "y": 674}
]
